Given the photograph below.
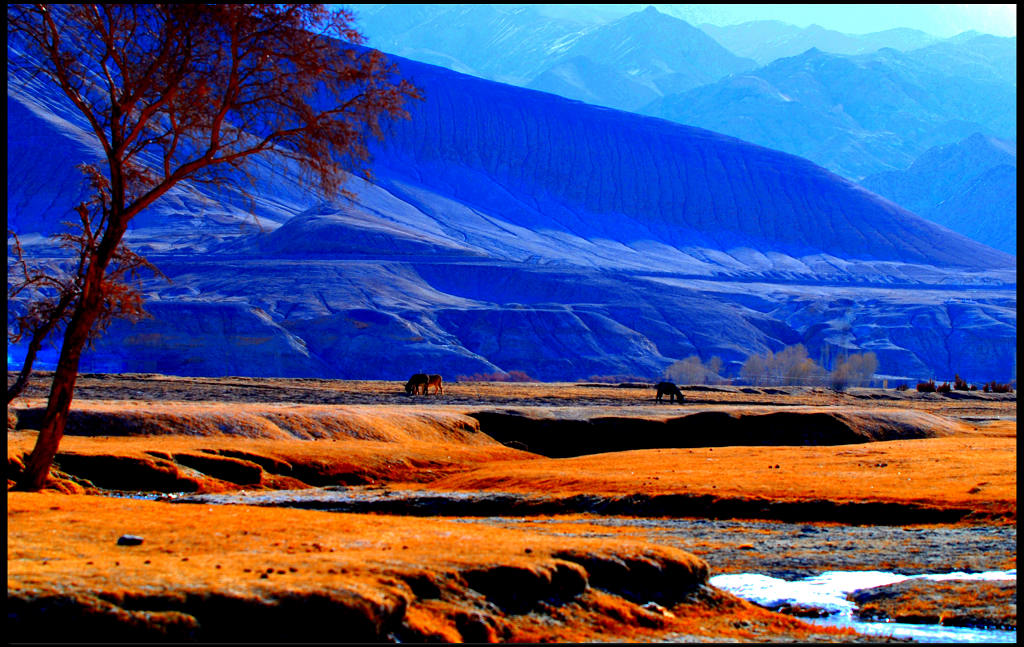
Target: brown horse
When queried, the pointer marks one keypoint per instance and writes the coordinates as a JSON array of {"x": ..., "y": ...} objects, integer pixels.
[
  {"x": 669, "y": 389},
  {"x": 415, "y": 383},
  {"x": 433, "y": 381}
]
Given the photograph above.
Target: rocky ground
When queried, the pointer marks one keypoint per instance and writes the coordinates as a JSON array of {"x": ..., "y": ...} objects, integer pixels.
[{"x": 424, "y": 520}]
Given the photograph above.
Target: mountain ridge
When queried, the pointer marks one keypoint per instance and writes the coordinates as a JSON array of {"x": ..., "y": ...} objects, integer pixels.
[
  {"x": 768, "y": 40},
  {"x": 855, "y": 115},
  {"x": 968, "y": 186}
]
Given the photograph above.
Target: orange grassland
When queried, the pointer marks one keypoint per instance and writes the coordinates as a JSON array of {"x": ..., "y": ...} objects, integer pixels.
[
  {"x": 976, "y": 469},
  {"x": 282, "y": 575},
  {"x": 245, "y": 573}
]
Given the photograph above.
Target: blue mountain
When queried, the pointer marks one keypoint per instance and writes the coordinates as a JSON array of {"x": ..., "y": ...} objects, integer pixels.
[
  {"x": 855, "y": 115},
  {"x": 509, "y": 229},
  {"x": 969, "y": 186},
  {"x": 768, "y": 40},
  {"x": 622, "y": 63},
  {"x": 588, "y": 174}
]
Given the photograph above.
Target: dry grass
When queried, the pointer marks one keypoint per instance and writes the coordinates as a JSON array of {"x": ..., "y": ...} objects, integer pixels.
[
  {"x": 976, "y": 471},
  {"x": 285, "y": 445},
  {"x": 203, "y": 569},
  {"x": 969, "y": 465},
  {"x": 950, "y": 602},
  {"x": 249, "y": 573},
  {"x": 163, "y": 388}
]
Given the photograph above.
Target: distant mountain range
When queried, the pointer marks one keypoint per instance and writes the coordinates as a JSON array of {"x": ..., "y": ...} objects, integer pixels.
[
  {"x": 856, "y": 104},
  {"x": 969, "y": 186},
  {"x": 663, "y": 53},
  {"x": 510, "y": 229},
  {"x": 855, "y": 115},
  {"x": 623, "y": 63},
  {"x": 768, "y": 40}
]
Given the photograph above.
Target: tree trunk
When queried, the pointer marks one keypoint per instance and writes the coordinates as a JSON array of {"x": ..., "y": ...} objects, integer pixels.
[
  {"x": 38, "y": 336},
  {"x": 37, "y": 467},
  {"x": 19, "y": 385}
]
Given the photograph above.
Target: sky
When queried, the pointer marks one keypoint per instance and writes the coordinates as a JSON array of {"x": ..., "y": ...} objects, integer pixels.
[
  {"x": 936, "y": 19},
  {"x": 942, "y": 20}
]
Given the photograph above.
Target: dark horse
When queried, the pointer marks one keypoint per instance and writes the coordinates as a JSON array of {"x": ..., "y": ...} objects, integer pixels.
[
  {"x": 669, "y": 389},
  {"x": 415, "y": 383}
]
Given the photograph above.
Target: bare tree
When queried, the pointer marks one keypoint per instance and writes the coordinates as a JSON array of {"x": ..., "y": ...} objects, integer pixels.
[
  {"x": 57, "y": 289},
  {"x": 855, "y": 370},
  {"x": 692, "y": 371},
  {"x": 791, "y": 365},
  {"x": 686, "y": 371},
  {"x": 176, "y": 92},
  {"x": 714, "y": 368}
]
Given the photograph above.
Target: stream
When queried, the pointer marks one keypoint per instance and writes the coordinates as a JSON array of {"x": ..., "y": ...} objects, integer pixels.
[{"x": 828, "y": 592}]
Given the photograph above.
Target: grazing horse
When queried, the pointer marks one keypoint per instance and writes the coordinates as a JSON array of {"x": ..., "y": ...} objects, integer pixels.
[
  {"x": 433, "y": 381},
  {"x": 667, "y": 388},
  {"x": 415, "y": 383}
]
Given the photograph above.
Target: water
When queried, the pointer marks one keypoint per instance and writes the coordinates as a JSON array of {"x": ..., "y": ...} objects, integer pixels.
[{"x": 828, "y": 592}]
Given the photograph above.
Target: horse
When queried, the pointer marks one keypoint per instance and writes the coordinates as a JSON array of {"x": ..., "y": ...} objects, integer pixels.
[
  {"x": 433, "y": 381},
  {"x": 667, "y": 388},
  {"x": 415, "y": 383}
]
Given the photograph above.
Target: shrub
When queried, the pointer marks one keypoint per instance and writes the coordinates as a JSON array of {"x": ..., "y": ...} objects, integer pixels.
[
  {"x": 902, "y": 386},
  {"x": 617, "y": 379},
  {"x": 519, "y": 376},
  {"x": 943, "y": 388},
  {"x": 926, "y": 387},
  {"x": 995, "y": 387}
]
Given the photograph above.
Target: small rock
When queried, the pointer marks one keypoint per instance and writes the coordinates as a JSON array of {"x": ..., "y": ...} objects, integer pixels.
[
  {"x": 654, "y": 607},
  {"x": 129, "y": 540}
]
